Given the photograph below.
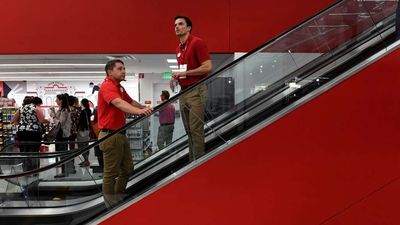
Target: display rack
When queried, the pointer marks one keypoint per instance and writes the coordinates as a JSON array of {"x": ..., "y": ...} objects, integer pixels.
[
  {"x": 139, "y": 139},
  {"x": 7, "y": 129}
]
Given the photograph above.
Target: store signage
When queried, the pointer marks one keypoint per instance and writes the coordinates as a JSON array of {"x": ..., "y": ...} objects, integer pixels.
[
  {"x": 54, "y": 88},
  {"x": 166, "y": 75}
]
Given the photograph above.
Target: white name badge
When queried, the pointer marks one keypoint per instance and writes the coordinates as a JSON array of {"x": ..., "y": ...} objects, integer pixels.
[{"x": 182, "y": 68}]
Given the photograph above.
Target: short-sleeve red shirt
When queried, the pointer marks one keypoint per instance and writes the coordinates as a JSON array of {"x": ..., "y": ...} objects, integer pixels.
[
  {"x": 110, "y": 117},
  {"x": 193, "y": 53}
]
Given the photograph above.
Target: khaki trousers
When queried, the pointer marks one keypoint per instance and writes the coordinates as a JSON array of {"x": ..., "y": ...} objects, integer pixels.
[
  {"x": 164, "y": 137},
  {"x": 192, "y": 107},
  {"x": 118, "y": 165}
]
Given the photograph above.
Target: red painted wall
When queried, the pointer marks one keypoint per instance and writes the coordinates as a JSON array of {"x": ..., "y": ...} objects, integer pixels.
[
  {"x": 126, "y": 26},
  {"x": 334, "y": 160}
]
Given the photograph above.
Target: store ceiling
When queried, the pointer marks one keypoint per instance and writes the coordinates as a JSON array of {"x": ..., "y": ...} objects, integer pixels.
[{"x": 85, "y": 66}]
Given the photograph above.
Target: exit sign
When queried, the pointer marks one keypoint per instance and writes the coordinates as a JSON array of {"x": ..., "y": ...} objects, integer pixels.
[{"x": 166, "y": 75}]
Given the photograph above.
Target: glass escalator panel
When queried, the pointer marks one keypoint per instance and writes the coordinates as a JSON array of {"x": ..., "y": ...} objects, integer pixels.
[{"x": 62, "y": 185}]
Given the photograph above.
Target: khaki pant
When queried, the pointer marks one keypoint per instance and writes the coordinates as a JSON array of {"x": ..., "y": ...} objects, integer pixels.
[
  {"x": 118, "y": 165},
  {"x": 192, "y": 107},
  {"x": 164, "y": 137}
]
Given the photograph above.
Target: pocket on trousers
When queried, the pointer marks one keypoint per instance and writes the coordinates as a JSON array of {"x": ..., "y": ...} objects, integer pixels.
[{"x": 107, "y": 144}]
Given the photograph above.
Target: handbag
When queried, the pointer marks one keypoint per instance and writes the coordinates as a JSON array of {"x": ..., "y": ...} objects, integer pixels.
[{"x": 52, "y": 134}]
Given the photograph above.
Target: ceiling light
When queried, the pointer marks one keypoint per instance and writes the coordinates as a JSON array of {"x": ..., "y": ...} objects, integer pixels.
[
  {"x": 174, "y": 67},
  {"x": 172, "y": 61}
]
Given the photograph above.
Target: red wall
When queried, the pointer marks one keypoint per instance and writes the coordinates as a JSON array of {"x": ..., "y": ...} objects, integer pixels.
[
  {"x": 126, "y": 26},
  {"x": 334, "y": 160}
]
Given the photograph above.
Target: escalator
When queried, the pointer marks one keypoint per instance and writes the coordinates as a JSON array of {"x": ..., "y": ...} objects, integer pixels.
[{"x": 268, "y": 82}]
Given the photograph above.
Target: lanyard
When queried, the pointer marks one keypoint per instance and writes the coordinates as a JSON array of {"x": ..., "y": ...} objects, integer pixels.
[{"x": 182, "y": 53}]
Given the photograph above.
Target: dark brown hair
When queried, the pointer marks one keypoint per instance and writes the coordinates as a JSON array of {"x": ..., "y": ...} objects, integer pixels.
[{"x": 111, "y": 64}]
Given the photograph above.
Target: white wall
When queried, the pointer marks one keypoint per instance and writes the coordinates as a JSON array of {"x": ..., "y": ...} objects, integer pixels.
[{"x": 147, "y": 84}]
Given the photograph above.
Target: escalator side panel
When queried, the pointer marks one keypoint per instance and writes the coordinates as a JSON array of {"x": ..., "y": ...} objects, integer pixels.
[{"x": 307, "y": 168}]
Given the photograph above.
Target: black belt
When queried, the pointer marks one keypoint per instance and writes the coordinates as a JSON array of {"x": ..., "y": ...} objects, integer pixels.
[
  {"x": 107, "y": 130},
  {"x": 166, "y": 124},
  {"x": 110, "y": 131}
]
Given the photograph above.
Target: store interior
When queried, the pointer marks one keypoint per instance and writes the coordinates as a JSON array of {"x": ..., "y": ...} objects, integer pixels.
[{"x": 79, "y": 74}]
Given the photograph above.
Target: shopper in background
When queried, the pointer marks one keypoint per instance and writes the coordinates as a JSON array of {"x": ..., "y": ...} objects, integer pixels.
[
  {"x": 75, "y": 111},
  {"x": 167, "y": 120},
  {"x": 84, "y": 130},
  {"x": 63, "y": 117},
  {"x": 29, "y": 119},
  {"x": 113, "y": 102},
  {"x": 95, "y": 135},
  {"x": 194, "y": 64}
]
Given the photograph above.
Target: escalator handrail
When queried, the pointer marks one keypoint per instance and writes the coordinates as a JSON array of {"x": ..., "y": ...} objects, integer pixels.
[{"x": 7, "y": 155}]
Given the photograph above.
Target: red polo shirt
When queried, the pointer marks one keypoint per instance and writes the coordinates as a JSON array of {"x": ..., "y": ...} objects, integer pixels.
[
  {"x": 110, "y": 117},
  {"x": 193, "y": 53}
]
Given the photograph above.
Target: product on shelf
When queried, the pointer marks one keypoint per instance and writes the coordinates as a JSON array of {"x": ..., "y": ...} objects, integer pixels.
[{"x": 7, "y": 129}]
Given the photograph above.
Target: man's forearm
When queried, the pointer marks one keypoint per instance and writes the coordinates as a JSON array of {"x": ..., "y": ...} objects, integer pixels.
[
  {"x": 125, "y": 106},
  {"x": 137, "y": 104},
  {"x": 203, "y": 69}
]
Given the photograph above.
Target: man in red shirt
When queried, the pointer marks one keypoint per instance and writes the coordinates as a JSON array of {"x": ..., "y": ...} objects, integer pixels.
[
  {"x": 167, "y": 120},
  {"x": 113, "y": 103},
  {"x": 194, "y": 64}
]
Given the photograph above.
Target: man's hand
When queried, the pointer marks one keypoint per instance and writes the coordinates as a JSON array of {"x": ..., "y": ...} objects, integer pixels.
[
  {"x": 145, "y": 111},
  {"x": 178, "y": 75}
]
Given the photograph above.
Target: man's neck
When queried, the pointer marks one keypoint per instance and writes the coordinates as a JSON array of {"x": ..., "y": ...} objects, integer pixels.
[
  {"x": 184, "y": 38},
  {"x": 113, "y": 79}
]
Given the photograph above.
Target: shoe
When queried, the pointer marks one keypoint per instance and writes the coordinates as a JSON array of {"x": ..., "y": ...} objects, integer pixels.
[
  {"x": 60, "y": 175},
  {"x": 84, "y": 164}
]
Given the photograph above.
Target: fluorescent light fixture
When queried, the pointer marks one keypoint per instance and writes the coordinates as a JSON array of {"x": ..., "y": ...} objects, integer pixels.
[
  {"x": 175, "y": 70},
  {"x": 50, "y": 64},
  {"x": 174, "y": 67},
  {"x": 172, "y": 61}
]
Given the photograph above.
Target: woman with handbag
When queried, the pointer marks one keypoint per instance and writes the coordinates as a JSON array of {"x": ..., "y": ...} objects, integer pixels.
[
  {"x": 75, "y": 111},
  {"x": 63, "y": 117},
  {"x": 84, "y": 130}
]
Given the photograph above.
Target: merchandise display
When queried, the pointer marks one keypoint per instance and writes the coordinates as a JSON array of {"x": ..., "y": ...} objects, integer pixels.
[
  {"x": 139, "y": 139},
  {"x": 7, "y": 130}
]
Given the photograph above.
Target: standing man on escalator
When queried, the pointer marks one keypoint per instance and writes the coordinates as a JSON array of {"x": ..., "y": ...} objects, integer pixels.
[
  {"x": 113, "y": 102},
  {"x": 194, "y": 64}
]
